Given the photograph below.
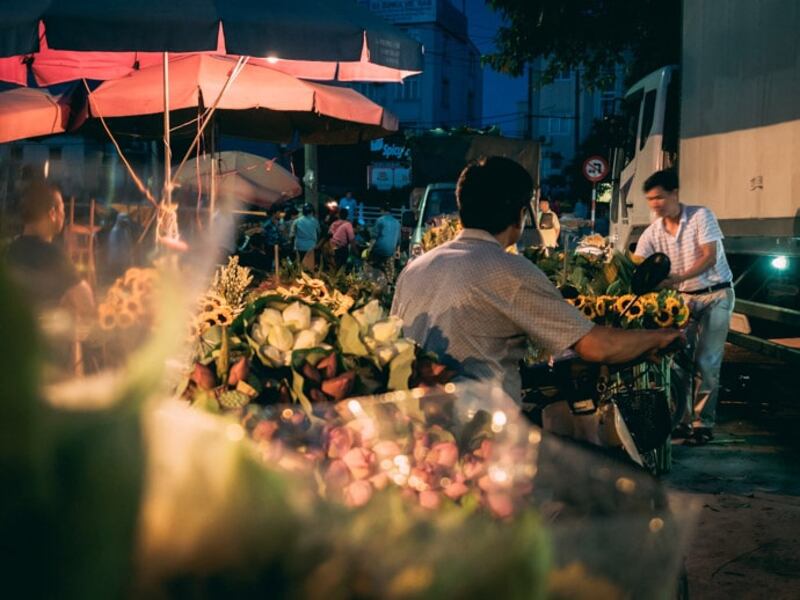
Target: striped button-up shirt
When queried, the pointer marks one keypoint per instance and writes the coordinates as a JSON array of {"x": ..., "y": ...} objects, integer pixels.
[
  {"x": 697, "y": 226},
  {"x": 474, "y": 305}
]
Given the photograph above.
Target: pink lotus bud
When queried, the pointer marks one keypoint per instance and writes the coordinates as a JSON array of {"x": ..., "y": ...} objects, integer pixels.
[
  {"x": 340, "y": 440},
  {"x": 264, "y": 431},
  {"x": 337, "y": 476},
  {"x": 455, "y": 490},
  {"x": 473, "y": 469},
  {"x": 359, "y": 460},
  {"x": 500, "y": 504},
  {"x": 203, "y": 377},
  {"x": 357, "y": 493},
  {"x": 386, "y": 449},
  {"x": 443, "y": 454},
  {"x": 238, "y": 371},
  {"x": 327, "y": 366},
  {"x": 339, "y": 387},
  {"x": 430, "y": 499},
  {"x": 379, "y": 481}
]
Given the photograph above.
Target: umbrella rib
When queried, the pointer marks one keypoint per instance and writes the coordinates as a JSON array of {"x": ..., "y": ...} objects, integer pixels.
[{"x": 125, "y": 162}]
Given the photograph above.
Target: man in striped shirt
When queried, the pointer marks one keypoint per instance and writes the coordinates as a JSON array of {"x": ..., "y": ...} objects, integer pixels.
[{"x": 691, "y": 237}]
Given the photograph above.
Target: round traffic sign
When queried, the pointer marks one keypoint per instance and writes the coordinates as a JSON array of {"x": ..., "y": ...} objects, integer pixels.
[{"x": 595, "y": 168}]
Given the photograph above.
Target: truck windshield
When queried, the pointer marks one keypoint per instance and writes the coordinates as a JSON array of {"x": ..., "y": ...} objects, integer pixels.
[{"x": 440, "y": 202}]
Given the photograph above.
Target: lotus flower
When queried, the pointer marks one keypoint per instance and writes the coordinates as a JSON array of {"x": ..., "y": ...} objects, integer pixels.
[
  {"x": 275, "y": 357},
  {"x": 357, "y": 493},
  {"x": 387, "y": 330},
  {"x": 455, "y": 490},
  {"x": 270, "y": 317},
  {"x": 321, "y": 327},
  {"x": 297, "y": 316},
  {"x": 260, "y": 332},
  {"x": 308, "y": 338},
  {"x": 358, "y": 461},
  {"x": 340, "y": 441},
  {"x": 203, "y": 377},
  {"x": 402, "y": 345},
  {"x": 443, "y": 454},
  {"x": 385, "y": 354},
  {"x": 281, "y": 338},
  {"x": 430, "y": 499},
  {"x": 338, "y": 475},
  {"x": 238, "y": 371},
  {"x": 368, "y": 315}
]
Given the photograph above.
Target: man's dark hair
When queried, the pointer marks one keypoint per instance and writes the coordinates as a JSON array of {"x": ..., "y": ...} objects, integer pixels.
[
  {"x": 37, "y": 199},
  {"x": 667, "y": 179},
  {"x": 343, "y": 213},
  {"x": 491, "y": 192}
]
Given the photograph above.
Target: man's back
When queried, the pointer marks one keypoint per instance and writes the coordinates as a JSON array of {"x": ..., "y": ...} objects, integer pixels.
[
  {"x": 475, "y": 305},
  {"x": 305, "y": 230},
  {"x": 387, "y": 235}
]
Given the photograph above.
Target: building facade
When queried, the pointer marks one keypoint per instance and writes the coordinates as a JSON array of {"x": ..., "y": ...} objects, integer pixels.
[{"x": 449, "y": 91}]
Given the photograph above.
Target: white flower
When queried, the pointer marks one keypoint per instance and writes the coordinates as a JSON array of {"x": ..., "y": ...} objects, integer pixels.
[
  {"x": 373, "y": 312},
  {"x": 387, "y": 330},
  {"x": 386, "y": 354},
  {"x": 271, "y": 317},
  {"x": 370, "y": 343},
  {"x": 297, "y": 316},
  {"x": 402, "y": 345},
  {"x": 306, "y": 339},
  {"x": 321, "y": 327},
  {"x": 281, "y": 338},
  {"x": 273, "y": 355},
  {"x": 260, "y": 332}
]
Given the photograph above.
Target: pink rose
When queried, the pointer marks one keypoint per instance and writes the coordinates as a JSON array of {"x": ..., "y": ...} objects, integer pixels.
[
  {"x": 359, "y": 461},
  {"x": 430, "y": 499},
  {"x": 340, "y": 441},
  {"x": 357, "y": 493}
]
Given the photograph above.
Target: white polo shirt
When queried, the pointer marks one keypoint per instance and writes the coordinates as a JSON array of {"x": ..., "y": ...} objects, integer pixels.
[{"x": 697, "y": 226}]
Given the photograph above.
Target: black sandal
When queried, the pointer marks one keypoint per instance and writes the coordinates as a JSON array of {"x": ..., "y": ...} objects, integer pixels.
[
  {"x": 700, "y": 437},
  {"x": 682, "y": 432}
]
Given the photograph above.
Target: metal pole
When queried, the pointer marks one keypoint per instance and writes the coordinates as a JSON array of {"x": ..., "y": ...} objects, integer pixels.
[
  {"x": 312, "y": 185},
  {"x": 167, "y": 150},
  {"x": 594, "y": 202}
]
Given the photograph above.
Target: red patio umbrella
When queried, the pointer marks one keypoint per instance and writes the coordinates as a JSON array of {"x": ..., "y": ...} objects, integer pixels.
[{"x": 26, "y": 113}]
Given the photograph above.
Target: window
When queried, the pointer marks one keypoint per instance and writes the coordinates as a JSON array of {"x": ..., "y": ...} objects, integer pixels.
[
  {"x": 672, "y": 114},
  {"x": 409, "y": 90},
  {"x": 558, "y": 125},
  {"x": 648, "y": 114},
  {"x": 445, "y": 93},
  {"x": 631, "y": 109}
]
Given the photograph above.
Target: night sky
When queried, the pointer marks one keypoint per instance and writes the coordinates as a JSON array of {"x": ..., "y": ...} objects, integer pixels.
[{"x": 500, "y": 93}]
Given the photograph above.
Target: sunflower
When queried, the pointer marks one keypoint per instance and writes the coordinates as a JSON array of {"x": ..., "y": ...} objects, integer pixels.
[
  {"x": 578, "y": 301},
  {"x": 125, "y": 319},
  {"x": 622, "y": 302},
  {"x": 663, "y": 318},
  {"x": 588, "y": 310},
  {"x": 635, "y": 311},
  {"x": 224, "y": 316},
  {"x": 673, "y": 305},
  {"x": 650, "y": 303},
  {"x": 131, "y": 275},
  {"x": 106, "y": 316},
  {"x": 683, "y": 316}
]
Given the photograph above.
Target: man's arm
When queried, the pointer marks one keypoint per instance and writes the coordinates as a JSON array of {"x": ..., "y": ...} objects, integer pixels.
[
  {"x": 608, "y": 345},
  {"x": 557, "y": 227},
  {"x": 706, "y": 260}
]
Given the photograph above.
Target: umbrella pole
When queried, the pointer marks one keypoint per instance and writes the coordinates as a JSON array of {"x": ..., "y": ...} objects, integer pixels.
[
  {"x": 213, "y": 187},
  {"x": 167, "y": 150}
]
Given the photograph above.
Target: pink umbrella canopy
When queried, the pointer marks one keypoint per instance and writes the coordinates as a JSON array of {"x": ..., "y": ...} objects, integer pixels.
[
  {"x": 241, "y": 177},
  {"x": 277, "y": 105},
  {"x": 26, "y": 113},
  {"x": 64, "y": 40}
]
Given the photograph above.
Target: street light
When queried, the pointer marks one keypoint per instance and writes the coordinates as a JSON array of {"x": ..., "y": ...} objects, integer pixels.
[{"x": 781, "y": 263}]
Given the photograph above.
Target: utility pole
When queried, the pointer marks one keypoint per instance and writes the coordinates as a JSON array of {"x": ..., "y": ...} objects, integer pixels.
[
  {"x": 529, "y": 114},
  {"x": 311, "y": 177},
  {"x": 577, "y": 109}
]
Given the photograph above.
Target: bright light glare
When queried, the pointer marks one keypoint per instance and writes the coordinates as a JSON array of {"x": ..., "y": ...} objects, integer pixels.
[
  {"x": 780, "y": 262},
  {"x": 272, "y": 59}
]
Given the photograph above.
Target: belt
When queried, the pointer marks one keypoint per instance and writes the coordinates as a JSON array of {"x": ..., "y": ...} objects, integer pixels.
[{"x": 711, "y": 288}]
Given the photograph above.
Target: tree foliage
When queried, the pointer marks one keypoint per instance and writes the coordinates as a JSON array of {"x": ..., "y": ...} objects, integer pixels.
[{"x": 595, "y": 35}]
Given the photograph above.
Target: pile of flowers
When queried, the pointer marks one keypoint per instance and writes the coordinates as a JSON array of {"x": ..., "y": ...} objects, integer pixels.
[
  {"x": 666, "y": 308},
  {"x": 129, "y": 301},
  {"x": 316, "y": 291},
  {"x": 444, "y": 230}
]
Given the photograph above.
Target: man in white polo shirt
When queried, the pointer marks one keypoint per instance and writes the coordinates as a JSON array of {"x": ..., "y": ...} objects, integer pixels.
[{"x": 691, "y": 237}]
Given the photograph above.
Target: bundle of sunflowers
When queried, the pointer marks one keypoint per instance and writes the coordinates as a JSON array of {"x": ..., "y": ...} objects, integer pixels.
[
  {"x": 649, "y": 311},
  {"x": 442, "y": 231},
  {"x": 129, "y": 301}
]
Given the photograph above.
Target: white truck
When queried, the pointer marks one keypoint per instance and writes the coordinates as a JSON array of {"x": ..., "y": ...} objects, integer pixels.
[{"x": 729, "y": 120}]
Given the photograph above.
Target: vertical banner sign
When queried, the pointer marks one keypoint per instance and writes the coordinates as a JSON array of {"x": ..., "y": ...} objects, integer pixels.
[{"x": 595, "y": 168}]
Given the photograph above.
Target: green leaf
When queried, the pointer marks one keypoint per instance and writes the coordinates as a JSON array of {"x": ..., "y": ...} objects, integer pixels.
[
  {"x": 401, "y": 369},
  {"x": 350, "y": 337},
  {"x": 298, "y": 381}
]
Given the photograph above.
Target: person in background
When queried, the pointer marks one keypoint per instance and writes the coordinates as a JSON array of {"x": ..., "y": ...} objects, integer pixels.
[
  {"x": 387, "y": 237},
  {"x": 343, "y": 238},
  {"x": 271, "y": 230},
  {"x": 351, "y": 204},
  {"x": 305, "y": 233},
  {"x": 37, "y": 264},
  {"x": 475, "y": 305},
  {"x": 549, "y": 226},
  {"x": 692, "y": 238}
]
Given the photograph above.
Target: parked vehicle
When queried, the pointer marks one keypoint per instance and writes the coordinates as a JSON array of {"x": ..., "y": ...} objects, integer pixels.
[{"x": 729, "y": 121}]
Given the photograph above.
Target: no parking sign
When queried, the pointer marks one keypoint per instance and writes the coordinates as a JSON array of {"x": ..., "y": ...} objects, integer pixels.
[{"x": 595, "y": 168}]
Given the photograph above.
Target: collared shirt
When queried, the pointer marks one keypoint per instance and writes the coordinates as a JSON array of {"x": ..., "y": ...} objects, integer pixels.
[
  {"x": 387, "y": 235},
  {"x": 697, "y": 226},
  {"x": 305, "y": 230},
  {"x": 474, "y": 305},
  {"x": 351, "y": 204},
  {"x": 41, "y": 269},
  {"x": 548, "y": 228}
]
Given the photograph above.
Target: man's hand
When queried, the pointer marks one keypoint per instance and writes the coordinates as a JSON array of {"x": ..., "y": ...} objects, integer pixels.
[
  {"x": 671, "y": 282},
  {"x": 667, "y": 340}
]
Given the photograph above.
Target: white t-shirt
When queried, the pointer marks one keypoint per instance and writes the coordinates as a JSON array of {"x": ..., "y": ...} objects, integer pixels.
[{"x": 697, "y": 226}]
